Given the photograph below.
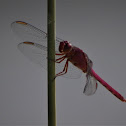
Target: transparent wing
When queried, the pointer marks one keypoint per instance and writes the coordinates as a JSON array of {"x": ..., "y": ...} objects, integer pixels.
[
  {"x": 38, "y": 54},
  {"x": 27, "y": 32},
  {"x": 34, "y": 52},
  {"x": 91, "y": 85}
]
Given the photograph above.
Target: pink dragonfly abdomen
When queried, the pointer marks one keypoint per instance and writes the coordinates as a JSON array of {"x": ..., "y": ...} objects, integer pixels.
[{"x": 107, "y": 86}]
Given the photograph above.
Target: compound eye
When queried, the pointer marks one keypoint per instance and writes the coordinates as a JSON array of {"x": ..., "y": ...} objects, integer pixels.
[{"x": 66, "y": 44}]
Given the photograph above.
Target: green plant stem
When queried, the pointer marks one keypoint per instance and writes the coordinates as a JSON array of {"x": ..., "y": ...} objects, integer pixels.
[{"x": 51, "y": 64}]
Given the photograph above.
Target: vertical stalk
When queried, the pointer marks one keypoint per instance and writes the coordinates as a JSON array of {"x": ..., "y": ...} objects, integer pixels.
[{"x": 51, "y": 65}]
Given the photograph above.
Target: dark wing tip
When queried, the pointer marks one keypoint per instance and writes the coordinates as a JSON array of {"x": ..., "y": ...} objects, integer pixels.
[
  {"x": 18, "y": 22},
  {"x": 30, "y": 43},
  {"x": 21, "y": 22}
]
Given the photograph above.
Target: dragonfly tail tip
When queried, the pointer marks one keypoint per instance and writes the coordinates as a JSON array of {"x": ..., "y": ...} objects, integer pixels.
[{"x": 124, "y": 100}]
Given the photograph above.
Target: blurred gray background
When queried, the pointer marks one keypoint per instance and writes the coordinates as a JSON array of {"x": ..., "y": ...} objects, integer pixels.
[{"x": 96, "y": 26}]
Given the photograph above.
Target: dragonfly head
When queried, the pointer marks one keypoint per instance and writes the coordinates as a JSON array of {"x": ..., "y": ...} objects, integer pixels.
[{"x": 65, "y": 47}]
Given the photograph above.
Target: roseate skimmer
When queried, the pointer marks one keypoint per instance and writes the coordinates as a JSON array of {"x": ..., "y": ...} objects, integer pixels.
[{"x": 71, "y": 61}]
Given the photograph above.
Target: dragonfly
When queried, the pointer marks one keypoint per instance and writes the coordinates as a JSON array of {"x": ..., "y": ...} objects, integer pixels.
[{"x": 70, "y": 61}]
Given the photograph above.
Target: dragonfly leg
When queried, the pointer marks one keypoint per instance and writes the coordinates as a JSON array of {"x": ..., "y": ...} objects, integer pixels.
[
  {"x": 64, "y": 70},
  {"x": 59, "y": 54},
  {"x": 59, "y": 60}
]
